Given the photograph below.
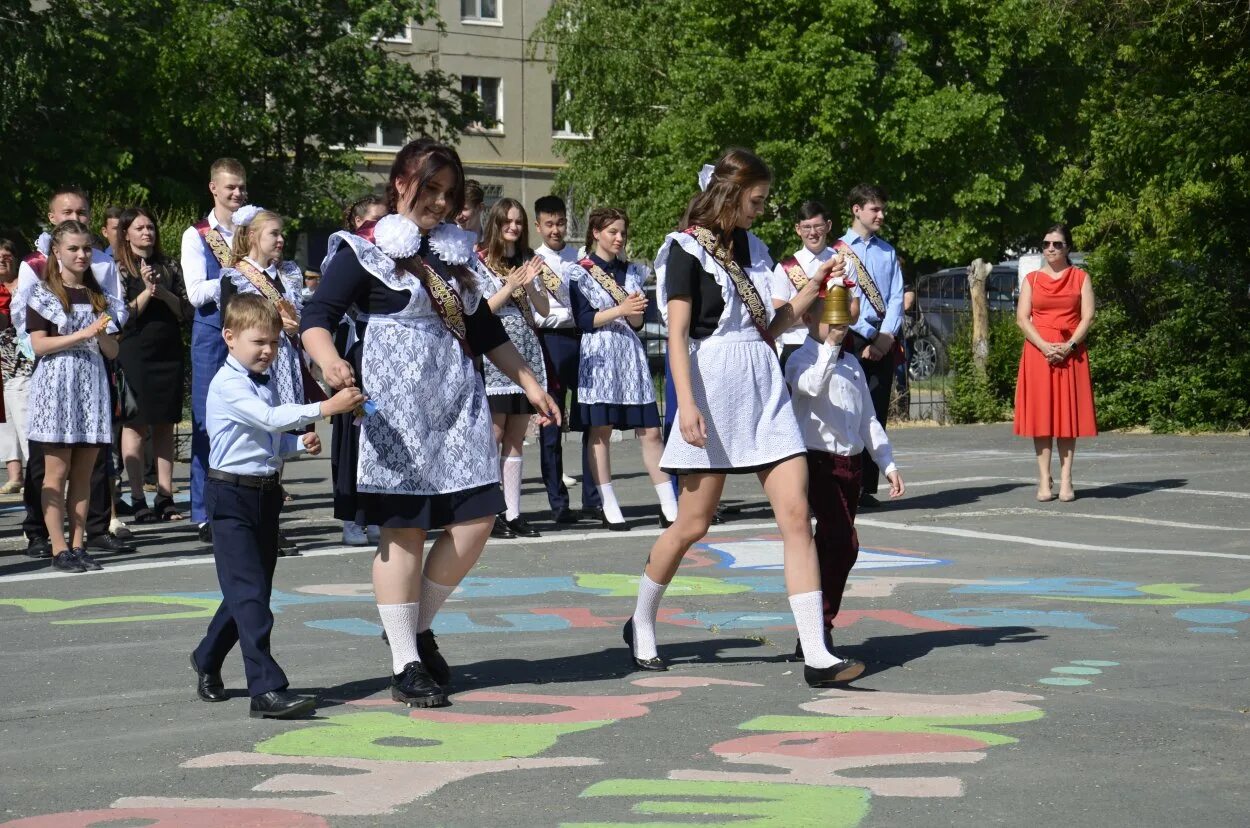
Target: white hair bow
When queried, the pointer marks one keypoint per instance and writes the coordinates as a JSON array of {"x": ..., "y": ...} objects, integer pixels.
[
  {"x": 705, "y": 176},
  {"x": 243, "y": 216}
]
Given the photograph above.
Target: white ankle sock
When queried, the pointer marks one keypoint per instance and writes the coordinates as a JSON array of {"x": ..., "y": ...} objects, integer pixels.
[
  {"x": 668, "y": 500},
  {"x": 809, "y": 618},
  {"x": 400, "y": 623},
  {"x": 512, "y": 467},
  {"x": 649, "y": 595},
  {"x": 433, "y": 596},
  {"x": 611, "y": 509}
]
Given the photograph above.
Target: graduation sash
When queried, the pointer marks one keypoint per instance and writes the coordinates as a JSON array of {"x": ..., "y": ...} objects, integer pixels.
[
  {"x": 863, "y": 277},
  {"x": 447, "y": 303},
  {"x": 518, "y": 297},
  {"x": 794, "y": 272},
  {"x": 260, "y": 280},
  {"x": 746, "y": 291},
  {"x": 551, "y": 280},
  {"x": 215, "y": 242},
  {"x": 604, "y": 280},
  {"x": 37, "y": 262}
]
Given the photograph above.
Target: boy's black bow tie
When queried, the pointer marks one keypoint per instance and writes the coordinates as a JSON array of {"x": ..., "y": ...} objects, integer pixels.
[{"x": 259, "y": 379}]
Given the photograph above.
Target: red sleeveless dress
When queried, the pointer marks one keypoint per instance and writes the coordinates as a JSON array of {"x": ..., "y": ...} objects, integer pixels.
[{"x": 1055, "y": 400}]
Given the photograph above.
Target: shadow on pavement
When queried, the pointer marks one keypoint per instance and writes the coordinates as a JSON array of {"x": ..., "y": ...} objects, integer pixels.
[
  {"x": 942, "y": 499},
  {"x": 1119, "y": 491},
  {"x": 884, "y": 652}
]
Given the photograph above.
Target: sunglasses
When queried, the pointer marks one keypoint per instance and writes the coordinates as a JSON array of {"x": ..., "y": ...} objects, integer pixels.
[{"x": 1057, "y": 245}]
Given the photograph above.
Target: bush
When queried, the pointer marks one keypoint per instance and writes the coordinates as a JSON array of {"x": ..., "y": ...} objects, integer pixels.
[{"x": 988, "y": 399}]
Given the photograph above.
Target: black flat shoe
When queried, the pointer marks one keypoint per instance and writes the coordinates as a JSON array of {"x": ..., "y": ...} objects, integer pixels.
[
  {"x": 205, "y": 533},
  {"x": 208, "y": 686},
  {"x": 280, "y": 704},
  {"x": 522, "y": 529},
  {"x": 87, "y": 562},
  {"x": 38, "y": 548},
  {"x": 435, "y": 664},
  {"x": 501, "y": 529},
  {"x": 67, "y": 561},
  {"x": 845, "y": 670},
  {"x": 109, "y": 542},
  {"x": 664, "y": 522},
  {"x": 415, "y": 687},
  {"x": 564, "y": 517},
  {"x": 287, "y": 548},
  {"x": 654, "y": 665},
  {"x": 718, "y": 517},
  {"x": 623, "y": 526}
]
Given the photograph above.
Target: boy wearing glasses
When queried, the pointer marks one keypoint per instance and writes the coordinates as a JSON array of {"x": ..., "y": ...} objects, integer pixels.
[{"x": 812, "y": 227}]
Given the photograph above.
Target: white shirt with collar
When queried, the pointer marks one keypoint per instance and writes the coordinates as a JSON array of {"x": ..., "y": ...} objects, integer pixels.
[
  {"x": 200, "y": 289},
  {"x": 102, "y": 267},
  {"x": 560, "y": 314},
  {"x": 246, "y": 425},
  {"x": 785, "y": 290},
  {"x": 833, "y": 406}
]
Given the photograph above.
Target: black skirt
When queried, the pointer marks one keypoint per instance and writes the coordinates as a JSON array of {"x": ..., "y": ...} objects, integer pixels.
[
  {"x": 396, "y": 511},
  {"x": 619, "y": 417},
  {"x": 344, "y": 452},
  {"x": 155, "y": 375},
  {"x": 509, "y": 404}
]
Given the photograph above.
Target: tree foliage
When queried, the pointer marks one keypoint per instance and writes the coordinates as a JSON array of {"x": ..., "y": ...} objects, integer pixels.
[{"x": 138, "y": 96}]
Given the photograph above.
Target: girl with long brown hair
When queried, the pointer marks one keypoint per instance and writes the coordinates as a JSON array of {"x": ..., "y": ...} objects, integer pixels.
[
  {"x": 614, "y": 387},
  {"x": 733, "y": 411},
  {"x": 72, "y": 330},
  {"x": 508, "y": 271},
  {"x": 427, "y": 456}
]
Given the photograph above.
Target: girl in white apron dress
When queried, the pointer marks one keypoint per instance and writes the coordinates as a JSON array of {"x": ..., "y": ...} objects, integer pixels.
[
  {"x": 508, "y": 273},
  {"x": 73, "y": 326},
  {"x": 733, "y": 409},
  {"x": 427, "y": 457},
  {"x": 614, "y": 387}
]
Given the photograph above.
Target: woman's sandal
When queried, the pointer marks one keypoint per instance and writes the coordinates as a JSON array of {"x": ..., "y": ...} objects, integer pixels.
[{"x": 166, "y": 511}]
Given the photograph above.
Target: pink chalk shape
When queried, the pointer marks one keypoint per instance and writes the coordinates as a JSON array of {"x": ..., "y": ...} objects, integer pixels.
[
  {"x": 849, "y": 703},
  {"x": 577, "y": 708},
  {"x": 689, "y": 681},
  {"x": 581, "y": 618},
  {"x": 821, "y": 745},
  {"x": 898, "y": 618},
  {"x": 376, "y": 787},
  {"x": 175, "y": 817}
]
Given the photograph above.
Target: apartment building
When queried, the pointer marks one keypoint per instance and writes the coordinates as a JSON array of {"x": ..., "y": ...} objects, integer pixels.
[{"x": 485, "y": 44}]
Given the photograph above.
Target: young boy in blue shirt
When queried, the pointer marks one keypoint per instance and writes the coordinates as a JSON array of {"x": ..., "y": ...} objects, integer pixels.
[{"x": 242, "y": 501}]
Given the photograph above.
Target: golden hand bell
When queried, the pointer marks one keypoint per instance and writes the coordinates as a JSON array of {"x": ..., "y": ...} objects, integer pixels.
[{"x": 837, "y": 309}]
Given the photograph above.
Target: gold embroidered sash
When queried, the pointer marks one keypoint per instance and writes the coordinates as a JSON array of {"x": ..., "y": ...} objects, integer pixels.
[
  {"x": 215, "y": 241},
  {"x": 448, "y": 304},
  {"x": 260, "y": 281},
  {"x": 794, "y": 272},
  {"x": 520, "y": 299},
  {"x": 863, "y": 277},
  {"x": 742, "y": 284},
  {"x": 551, "y": 280},
  {"x": 604, "y": 280}
]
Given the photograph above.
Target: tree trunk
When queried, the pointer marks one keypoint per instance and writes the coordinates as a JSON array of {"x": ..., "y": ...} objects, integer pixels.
[{"x": 978, "y": 273}]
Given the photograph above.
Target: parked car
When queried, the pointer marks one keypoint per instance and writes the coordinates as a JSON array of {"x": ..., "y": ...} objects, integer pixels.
[{"x": 945, "y": 306}]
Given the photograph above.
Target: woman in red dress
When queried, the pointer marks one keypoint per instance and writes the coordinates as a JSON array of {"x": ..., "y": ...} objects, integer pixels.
[{"x": 1054, "y": 398}]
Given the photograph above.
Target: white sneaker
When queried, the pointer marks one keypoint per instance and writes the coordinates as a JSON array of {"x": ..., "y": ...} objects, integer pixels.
[
  {"x": 374, "y": 532},
  {"x": 569, "y": 481},
  {"x": 116, "y": 527},
  {"x": 353, "y": 535}
]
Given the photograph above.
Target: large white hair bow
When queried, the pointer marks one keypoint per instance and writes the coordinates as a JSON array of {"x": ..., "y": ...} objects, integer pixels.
[
  {"x": 705, "y": 176},
  {"x": 243, "y": 216}
]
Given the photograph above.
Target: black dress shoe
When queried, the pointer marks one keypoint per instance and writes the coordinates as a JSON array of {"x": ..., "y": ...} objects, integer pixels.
[
  {"x": 798, "y": 646},
  {"x": 654, "y": 665},
  {"x": 87, "y": 562},
  {"x": 435, "y": 664},
  {"x": 281, "y": 704},
  {"x": 67, "y": 561},
  {"x": 868, "y": 501},
  {"x": 415, "y": 687},
  {"x": 623, "y": 526},
  {"x": 39, "y": 548},
  {"x": 718, "y": 517},
  {"x": 206, "y": 533},
  {"x": 287, "y": 548},
  {"x": 208, "y": 686},
  {"x": 502, "y": 529},
  {"x": 664, "y": 522},
  {"x": 522, "y": 529},
  {"x": 109, "y": 542},
  {"x": 566, "y": 516},
  {"x": 845, "y": 670}
]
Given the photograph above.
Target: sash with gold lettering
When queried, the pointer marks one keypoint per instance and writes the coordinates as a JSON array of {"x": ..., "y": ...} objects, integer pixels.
[
  {"x": 862, "y": 276},
  {"x": 447, "y": 303},
  {"x": 551, "y": 280},
  {"x": 742, "y": 284},
  {"x": 215, "y": 242},
  {"x": 604, "y": 280},
  {"x": 260, "y": 281},
  {"x": 794, "y": 272},
  {"x": 519, "y": 298}
]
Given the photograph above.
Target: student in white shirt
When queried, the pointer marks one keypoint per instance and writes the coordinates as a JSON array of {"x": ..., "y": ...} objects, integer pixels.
[
  {"x": 791, "y": 273},
  {"x": 834, "y": 409}
]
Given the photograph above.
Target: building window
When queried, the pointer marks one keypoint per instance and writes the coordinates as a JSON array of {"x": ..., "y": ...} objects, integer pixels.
[
  {"x": 404, "y": 35},
  {"x": 561, "y": 128},
  {"x": 480, "y": 11},
  {"x": 387, "y": 136},
  {"x": 487, "y": 91}
]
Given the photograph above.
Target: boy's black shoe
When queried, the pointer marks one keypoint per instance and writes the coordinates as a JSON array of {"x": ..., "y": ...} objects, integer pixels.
[
  {"x": 287, "y": 548},
  {"x": 280, "y": 704},
  {"x": 208, "y": 686},
  {"x": 433, "y": 660},
  {"x": 39, "y": 548},
  {"x": 501, "y": 529},
  {"x": 108, "y": 542},
  {"x": 67, "y": 561},
  {"x": 845, "y": 670},
  {"x": 206, "y": 533},
  {"x": 522, "y": 529},
  {"x": 416, "y": 688},
  {"x": 87, "y": 562},
  {"x": 565, "y": 517}
]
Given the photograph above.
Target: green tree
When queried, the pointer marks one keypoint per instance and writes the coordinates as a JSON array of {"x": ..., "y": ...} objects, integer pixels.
[{"x": 961, "y": 109}]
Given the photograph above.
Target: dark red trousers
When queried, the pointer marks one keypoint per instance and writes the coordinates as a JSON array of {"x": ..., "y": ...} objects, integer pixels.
[{"x": 833, "y": 484}]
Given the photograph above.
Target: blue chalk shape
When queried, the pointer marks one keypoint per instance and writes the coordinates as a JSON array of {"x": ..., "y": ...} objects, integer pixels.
[
  {"x": 1064, "y": 682},
  {"x": 476, "y": 587},
  {"x": 1089, "y": 663},
  {"x": 350, "y": 626},
  {"x": 1216, "y": 630},
  {"x": 1077, "y": 671},
  {"x": 760, "y": 583},
  {"x": 1211, "y": 616},
  {"x": 460, "y": 622},
  {"x": 1008, "y": 617},
  {"x": 735, "y": 620},
  {"x": 1069, "y": 587}
]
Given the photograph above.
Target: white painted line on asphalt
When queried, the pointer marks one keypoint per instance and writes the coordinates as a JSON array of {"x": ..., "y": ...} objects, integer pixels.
[
  {"x": 1044, "y": 543},
  {"x": 1064, "y": 513},
  {"x": 911, "y": 484}
]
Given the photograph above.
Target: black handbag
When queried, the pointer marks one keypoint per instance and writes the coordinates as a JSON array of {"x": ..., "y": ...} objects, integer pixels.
[{"x": 125, "y": 403}]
